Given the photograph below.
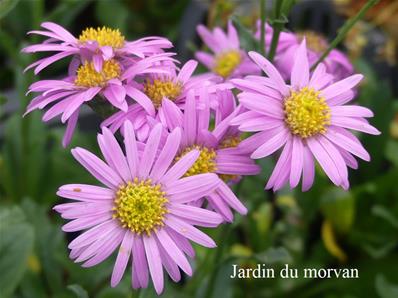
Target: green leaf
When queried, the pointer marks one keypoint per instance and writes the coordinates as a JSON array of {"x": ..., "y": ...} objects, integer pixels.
[
  {"x": 385, "y": 214},
  {"x": 78, "y": 290},
  {"x": 247, "y": 40},
  {"x": 15, "y": 247},
  {"x": 274, "y": 255},
  {"x": 384, "y": 288},
  {"x": 107, "y": 10},
  {"x": 49, "y": 243},
  {"x": 6, "y": 6},
  {"x": 338, "y": 206},
  {"x": 391, "y": 152}
]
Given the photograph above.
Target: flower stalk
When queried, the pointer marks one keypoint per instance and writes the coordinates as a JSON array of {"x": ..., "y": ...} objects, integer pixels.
[{"x": 344, "y": 30}]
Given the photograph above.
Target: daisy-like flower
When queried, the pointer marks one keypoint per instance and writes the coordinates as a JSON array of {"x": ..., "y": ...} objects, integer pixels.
[
  {"x": 156, "y": 88},
  {"x": 68, "y": 95},
  {"x": 337, "y": 63},
  {"x": 308, "y": 119},
  {"x": 228, "y": 59},
  {"x": 141, "y": 211},
  {"x": 216, "y": 147},
  {"x": 96, "y": 45}
]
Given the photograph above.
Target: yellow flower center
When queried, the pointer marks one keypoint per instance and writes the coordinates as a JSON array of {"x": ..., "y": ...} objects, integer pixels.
[
  {"x": 205, "y": 162},
  {"x": 306, "y": 113},
  {"x": 226, "y": 63},
  {"x": 158, "y": 89},
  {"x": 229, "y": 142},
  {"x": 104, "y": 36},
  {"x": 315, "y": 41},
  {"x": 87, "y": 76},
  {"x": 140, "y": 206}
]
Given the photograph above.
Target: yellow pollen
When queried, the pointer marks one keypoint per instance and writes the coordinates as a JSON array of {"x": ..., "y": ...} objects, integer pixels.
[
  {"x": 158, "y": 89},
  {"x": 205, "y": 162},
  {"x": 104, "y": 36},
  {"x": 315, "y": 41},
  {"x": 226, "y": 63},
  {"x": 87, "y": 76},
  {"x": 229, "y": 142},
  {"x": 140, "y": 206},
  {"x": 306, "y": 113}
]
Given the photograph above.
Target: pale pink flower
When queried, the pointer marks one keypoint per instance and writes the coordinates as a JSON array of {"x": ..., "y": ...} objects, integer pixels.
[
  {"x": 142, "y": 211},
  {"x": 96, "y": 45},
  {"x": 217, "y": 147},
  {"x": 307, "y": 119},
  {"x": 150, "y": 95},
  {"x": 336, "y": 63},
  {"x": 228, "y": 60},
  {"x": 110, "y": 84}
]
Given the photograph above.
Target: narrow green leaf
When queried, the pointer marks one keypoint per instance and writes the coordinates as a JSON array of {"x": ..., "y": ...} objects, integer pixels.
[
  {"x": 78, "y": 290},
  {"x": 15, "y": 246},
  {"x": 274, "y": 255},
  {"x": 6, "y": 6}
]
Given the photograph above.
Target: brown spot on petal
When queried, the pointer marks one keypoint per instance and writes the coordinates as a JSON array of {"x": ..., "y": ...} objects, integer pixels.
[{"x": 77, "y": 189}]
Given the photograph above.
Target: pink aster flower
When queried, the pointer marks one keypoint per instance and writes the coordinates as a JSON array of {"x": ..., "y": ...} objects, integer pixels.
[
  {"x": 110, "y": 84},
  {"x": 141, "y": 211},
  {"x": 158, "y": 90},
  {"x": 308, "y": 120},
  {"x": 337, "y": 63},
  {"x": 216, "y": 147},
  {"x": 96, "y": 45},
  {"x": 228, "y": 59}
]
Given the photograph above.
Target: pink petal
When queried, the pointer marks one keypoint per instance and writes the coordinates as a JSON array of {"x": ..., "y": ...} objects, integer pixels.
[
  {"x": 97, "y": 167},
  {"x": 272, "y": 144},
  {"x": 347, "y": 144},
  {"x": 140, "y": 265},
  {"x": 189, "y": 231},
  {"x": 70, "y": 128},
  {"x": 325, "y": 160},
  {"x": 354, "y": 123},
  {"x": 180, "y": 167},
  {"x": 297, "y": 161},
  {"x": 341, "y": 86},
  {"x": 300, "y": 69},
  {"x": 173, "y": 251},
  {"x": 122, "y": 259},
  {"x": 192, "y": 188},
  {"x": 142, "y": 99},
  {"x": 187, "y": 71},
  {"x": 154, "y": 263},
  {"x": 131, "y": 148},
  {"x": 116, "y": 95},
  {"x": 308, "y": 169},
  {"x": 271, "y": 71},
  {"x": 351, "y": 111},
  {"x": 167, "y": 155},
  {"x": 199, "y": 215},
  {"x": 151, "y": 147}
]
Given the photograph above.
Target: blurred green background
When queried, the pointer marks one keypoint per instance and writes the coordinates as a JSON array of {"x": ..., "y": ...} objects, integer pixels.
[{"x": 323, "y": 228}]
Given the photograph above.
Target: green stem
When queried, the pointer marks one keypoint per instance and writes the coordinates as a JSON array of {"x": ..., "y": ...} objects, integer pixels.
[
  {"x": 277, "y": 26},
  {"x": 344, "y": 30},
  {"x": 262, "y": 28},
  {"x": 225, "y": 231},
  {"x": 101, "y": 107}
]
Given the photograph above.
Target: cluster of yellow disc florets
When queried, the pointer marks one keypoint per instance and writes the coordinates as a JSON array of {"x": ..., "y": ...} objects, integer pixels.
[
  {"x": 306, "y": 112},
  {"x": 140, "y": 206},
  {"x": 104, "y": 36},
  {"x": 205, "y": 162},
  {"x": 158, "y": 89},
  {"x": 87, "y": 76},
  {"x": 226, "y": 63}
]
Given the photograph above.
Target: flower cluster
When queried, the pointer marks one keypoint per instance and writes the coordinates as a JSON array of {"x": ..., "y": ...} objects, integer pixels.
[{"x": 187, "y": 139}]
